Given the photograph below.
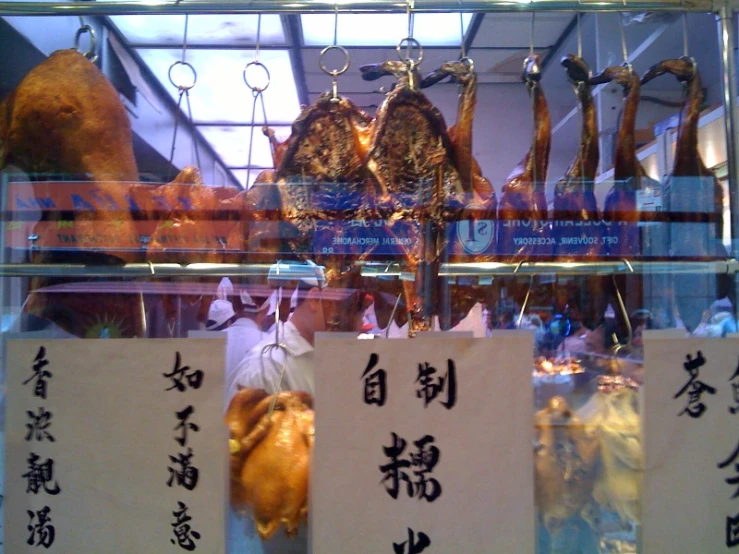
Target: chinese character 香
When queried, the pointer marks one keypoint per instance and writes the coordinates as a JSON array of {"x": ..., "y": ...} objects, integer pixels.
[{"x": 40, "y": 375}]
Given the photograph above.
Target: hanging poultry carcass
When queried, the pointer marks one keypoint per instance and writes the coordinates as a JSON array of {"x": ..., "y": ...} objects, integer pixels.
[
  {"x": 523, "y": 205},
  {"x": 575, "y": 214},
  {"x": 415, "y": 183},
  {"x": 693, "y": 197}
]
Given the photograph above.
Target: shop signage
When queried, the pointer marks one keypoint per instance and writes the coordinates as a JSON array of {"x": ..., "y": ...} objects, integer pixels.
[
  {"x": 115, "y": 445},
  {"x": 423, "y": 445},
  {"x": 691, "y": 445}
]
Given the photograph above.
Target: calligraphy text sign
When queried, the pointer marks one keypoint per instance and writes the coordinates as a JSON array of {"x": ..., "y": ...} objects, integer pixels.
[
  {"x": 116, "y": 432},
  {"x": 423, "y": 445},
  {"x": 691, "y": 445}
]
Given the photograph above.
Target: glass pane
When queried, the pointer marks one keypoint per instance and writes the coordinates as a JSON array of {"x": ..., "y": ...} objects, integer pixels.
[{"x": 232, "y": 143}]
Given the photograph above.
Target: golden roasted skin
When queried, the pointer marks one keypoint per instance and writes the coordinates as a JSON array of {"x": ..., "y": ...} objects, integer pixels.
[
  {"x": 270, "y": 457},
  {"x": 566, "y": 462},
  {"x": 65, "y": 117}
]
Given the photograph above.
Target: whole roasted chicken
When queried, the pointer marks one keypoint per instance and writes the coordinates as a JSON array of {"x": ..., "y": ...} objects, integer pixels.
[
  {"x": 524, "y": 194},
  {"x": 566, "y": 463},
  {"x": 575, "y": 214},
  {"x": 270, "y": 457}
]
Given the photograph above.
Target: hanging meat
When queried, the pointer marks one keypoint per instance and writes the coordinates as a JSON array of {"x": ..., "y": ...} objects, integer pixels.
[
  {"x": 416, "y": 185},
  {"x": 270, "y": 457},
  {"x": 575, "y": 214},
  {"x": 523, "y": 203},
  {"x": 691, "y": 193},
  {"x": 566, "y": 462}
]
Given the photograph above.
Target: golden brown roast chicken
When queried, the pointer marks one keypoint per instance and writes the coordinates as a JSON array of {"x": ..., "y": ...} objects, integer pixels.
[
  {"x": 566, "y": 464},
  {"x": 270, "y": 457}
]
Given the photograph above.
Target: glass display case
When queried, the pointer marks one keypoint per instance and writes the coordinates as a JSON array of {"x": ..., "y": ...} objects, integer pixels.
[{"x": 265, "y": 173}]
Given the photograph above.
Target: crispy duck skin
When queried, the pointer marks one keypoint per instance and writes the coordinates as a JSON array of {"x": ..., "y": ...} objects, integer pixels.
[
  {"x": 574, "y": 200},
  {"x": 270, "y": 457},
  {"x": 524, "y": 194}
]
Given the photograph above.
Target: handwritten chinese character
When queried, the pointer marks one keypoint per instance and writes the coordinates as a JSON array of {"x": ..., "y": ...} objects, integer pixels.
[
  {"x": 423, "y": 463},
  {"x": 432, "y": 386},
  {"x": 413, "y": 546},
  {"x": 40, "y": 475},
  {"x": 375, "y": 384},
  {"x": 732, "y": 459},
  {"x": 42, "y": 534},
  {"x": 179, "y": 373},
  {"x": 38, "y": 425},
  {"x": 39, "y": 373},
  {"x": 185, "y": 425},
  {"x": 392, "y": 470},
  {"x": 734, "y": 379},
  {"x": 183, "y": 532},
  {"x": 187, "y": 475},
  {"x": 732, "y": 531},
  {"x": 695, "y": 388}
]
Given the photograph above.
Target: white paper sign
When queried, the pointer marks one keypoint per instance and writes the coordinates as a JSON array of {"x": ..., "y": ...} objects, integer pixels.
[
  {"x": 688, "y": 505},
  {"x": 458, "y": 430},
  {"x": 129, "y": 445}
]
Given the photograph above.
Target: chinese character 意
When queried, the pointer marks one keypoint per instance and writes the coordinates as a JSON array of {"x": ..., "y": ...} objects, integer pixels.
[
  {"x": 179, "y": 373},
  {"x": 732, "y": 531},
  {"x": 424, "y": 462},
  {"x": 40, "y": 475},
  {"x": 732, "y": 459},
  {"x": 432, "y": 386},
  {"x": 187, "y": 475},
  {"x": 375, "y": 384},
  {"x": 413, "y": 546},
  {"x": 734, "y": 379},
  {"x": 38, "y": 425},
  {"x": 183, "y": 532},
  {"x": 695, "y": 387},
  {"x": 185, "y": 425},
  {"x": 42, "y": 533},
  {"x": 39, "y": 373}
]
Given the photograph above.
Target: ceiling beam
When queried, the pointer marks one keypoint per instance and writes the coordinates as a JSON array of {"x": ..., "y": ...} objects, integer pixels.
[
  {"x": 294, "y": 33},
  {"x": 472, "y": 30}
]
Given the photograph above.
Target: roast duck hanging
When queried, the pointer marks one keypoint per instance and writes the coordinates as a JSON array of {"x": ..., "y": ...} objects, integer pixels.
[{"x": 523, "y": 205}]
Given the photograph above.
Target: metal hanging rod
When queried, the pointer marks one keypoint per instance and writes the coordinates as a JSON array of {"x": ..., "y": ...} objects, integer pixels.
[{"x": 137, "y": 7}]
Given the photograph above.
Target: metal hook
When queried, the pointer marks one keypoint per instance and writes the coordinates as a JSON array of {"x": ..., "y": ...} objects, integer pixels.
[
  {"x": 334, "y": 73},
  {"x": 462, "y": 46},
  {"x": 256, "y": 88},
  {"x": 182, "y": 87},
  {"x": 525, "y": 302},
  {"x": 90, "y": 54},
  {"x": 624, "y": 49},
  {"x": 625, "y": 314}
]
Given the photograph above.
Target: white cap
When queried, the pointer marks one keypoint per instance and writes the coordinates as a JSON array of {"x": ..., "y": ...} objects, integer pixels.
[
  {"x": 610, "y": 312},
  {"x": 250, "y": 306},
  {"x": 309, "y": 273},
  {"x": 225, "y": 289},
  {"x": 219, "y": 313}
]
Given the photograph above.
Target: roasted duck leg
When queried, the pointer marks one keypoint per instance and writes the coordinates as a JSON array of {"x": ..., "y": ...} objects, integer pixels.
[
  {"x": 574, "y": 201},
  {"x": 524, "y": 194}
]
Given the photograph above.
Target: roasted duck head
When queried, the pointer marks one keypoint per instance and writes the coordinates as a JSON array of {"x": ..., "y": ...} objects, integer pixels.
[
  {"x": 270, "y": 457},
  {"x": 566, "y": 462}
]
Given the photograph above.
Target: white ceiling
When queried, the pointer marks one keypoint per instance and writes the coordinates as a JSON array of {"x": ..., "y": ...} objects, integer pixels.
[{"x": 220, "y": 46}]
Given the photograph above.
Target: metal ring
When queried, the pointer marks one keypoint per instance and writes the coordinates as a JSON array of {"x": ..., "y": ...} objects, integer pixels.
[
  {"x": 194, "y": 75},
  {"x": 334, "y": 72},
  {"x": 90, "y": 54},
  {"x": 255, "y": 88},
  {"x": 409, "y": 43}
]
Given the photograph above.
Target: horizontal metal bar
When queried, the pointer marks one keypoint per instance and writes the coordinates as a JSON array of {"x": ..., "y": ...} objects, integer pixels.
[
  {"x": 137, "y": 7},
  {"x": 285, "y": 47},
  {"x": 371, "y": 269}
]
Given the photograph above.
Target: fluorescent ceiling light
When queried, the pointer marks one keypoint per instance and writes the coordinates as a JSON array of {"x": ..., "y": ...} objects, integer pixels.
[
  {"x": 430, "y": 29},
  {"x": 220, "y": 94},
  {"x": 168, "y": 30},
  {"x": 232, "y": 143}
]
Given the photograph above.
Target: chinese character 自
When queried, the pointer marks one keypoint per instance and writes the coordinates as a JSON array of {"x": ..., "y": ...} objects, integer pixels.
[
  {"x": 735, "y": 391},
  {"x": 42, "y": 534},
  {"x": 38, "y": 425},
  {"x": 414, "y": 547},
  {"x": 432, "y": 386},
  {"x": 375, "y": 384},
  {"x": 732, "y": 531},
  {"x": 187, "y": 476},
  {"x": 39, "y": 373},
  {"x": 695, "y": 388},
  {"x": 424, "y": 462},
  {"x": 185, "y": 425},
  {"x": 194, "y": 378},
  {"x": 183, "y": 532},
  {"x": 40, "y": 475},
  {"x": 728, "y": 461}
]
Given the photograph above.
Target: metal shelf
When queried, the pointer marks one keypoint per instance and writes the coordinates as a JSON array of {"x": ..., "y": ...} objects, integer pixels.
[{"x": 375, "y": 269}]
